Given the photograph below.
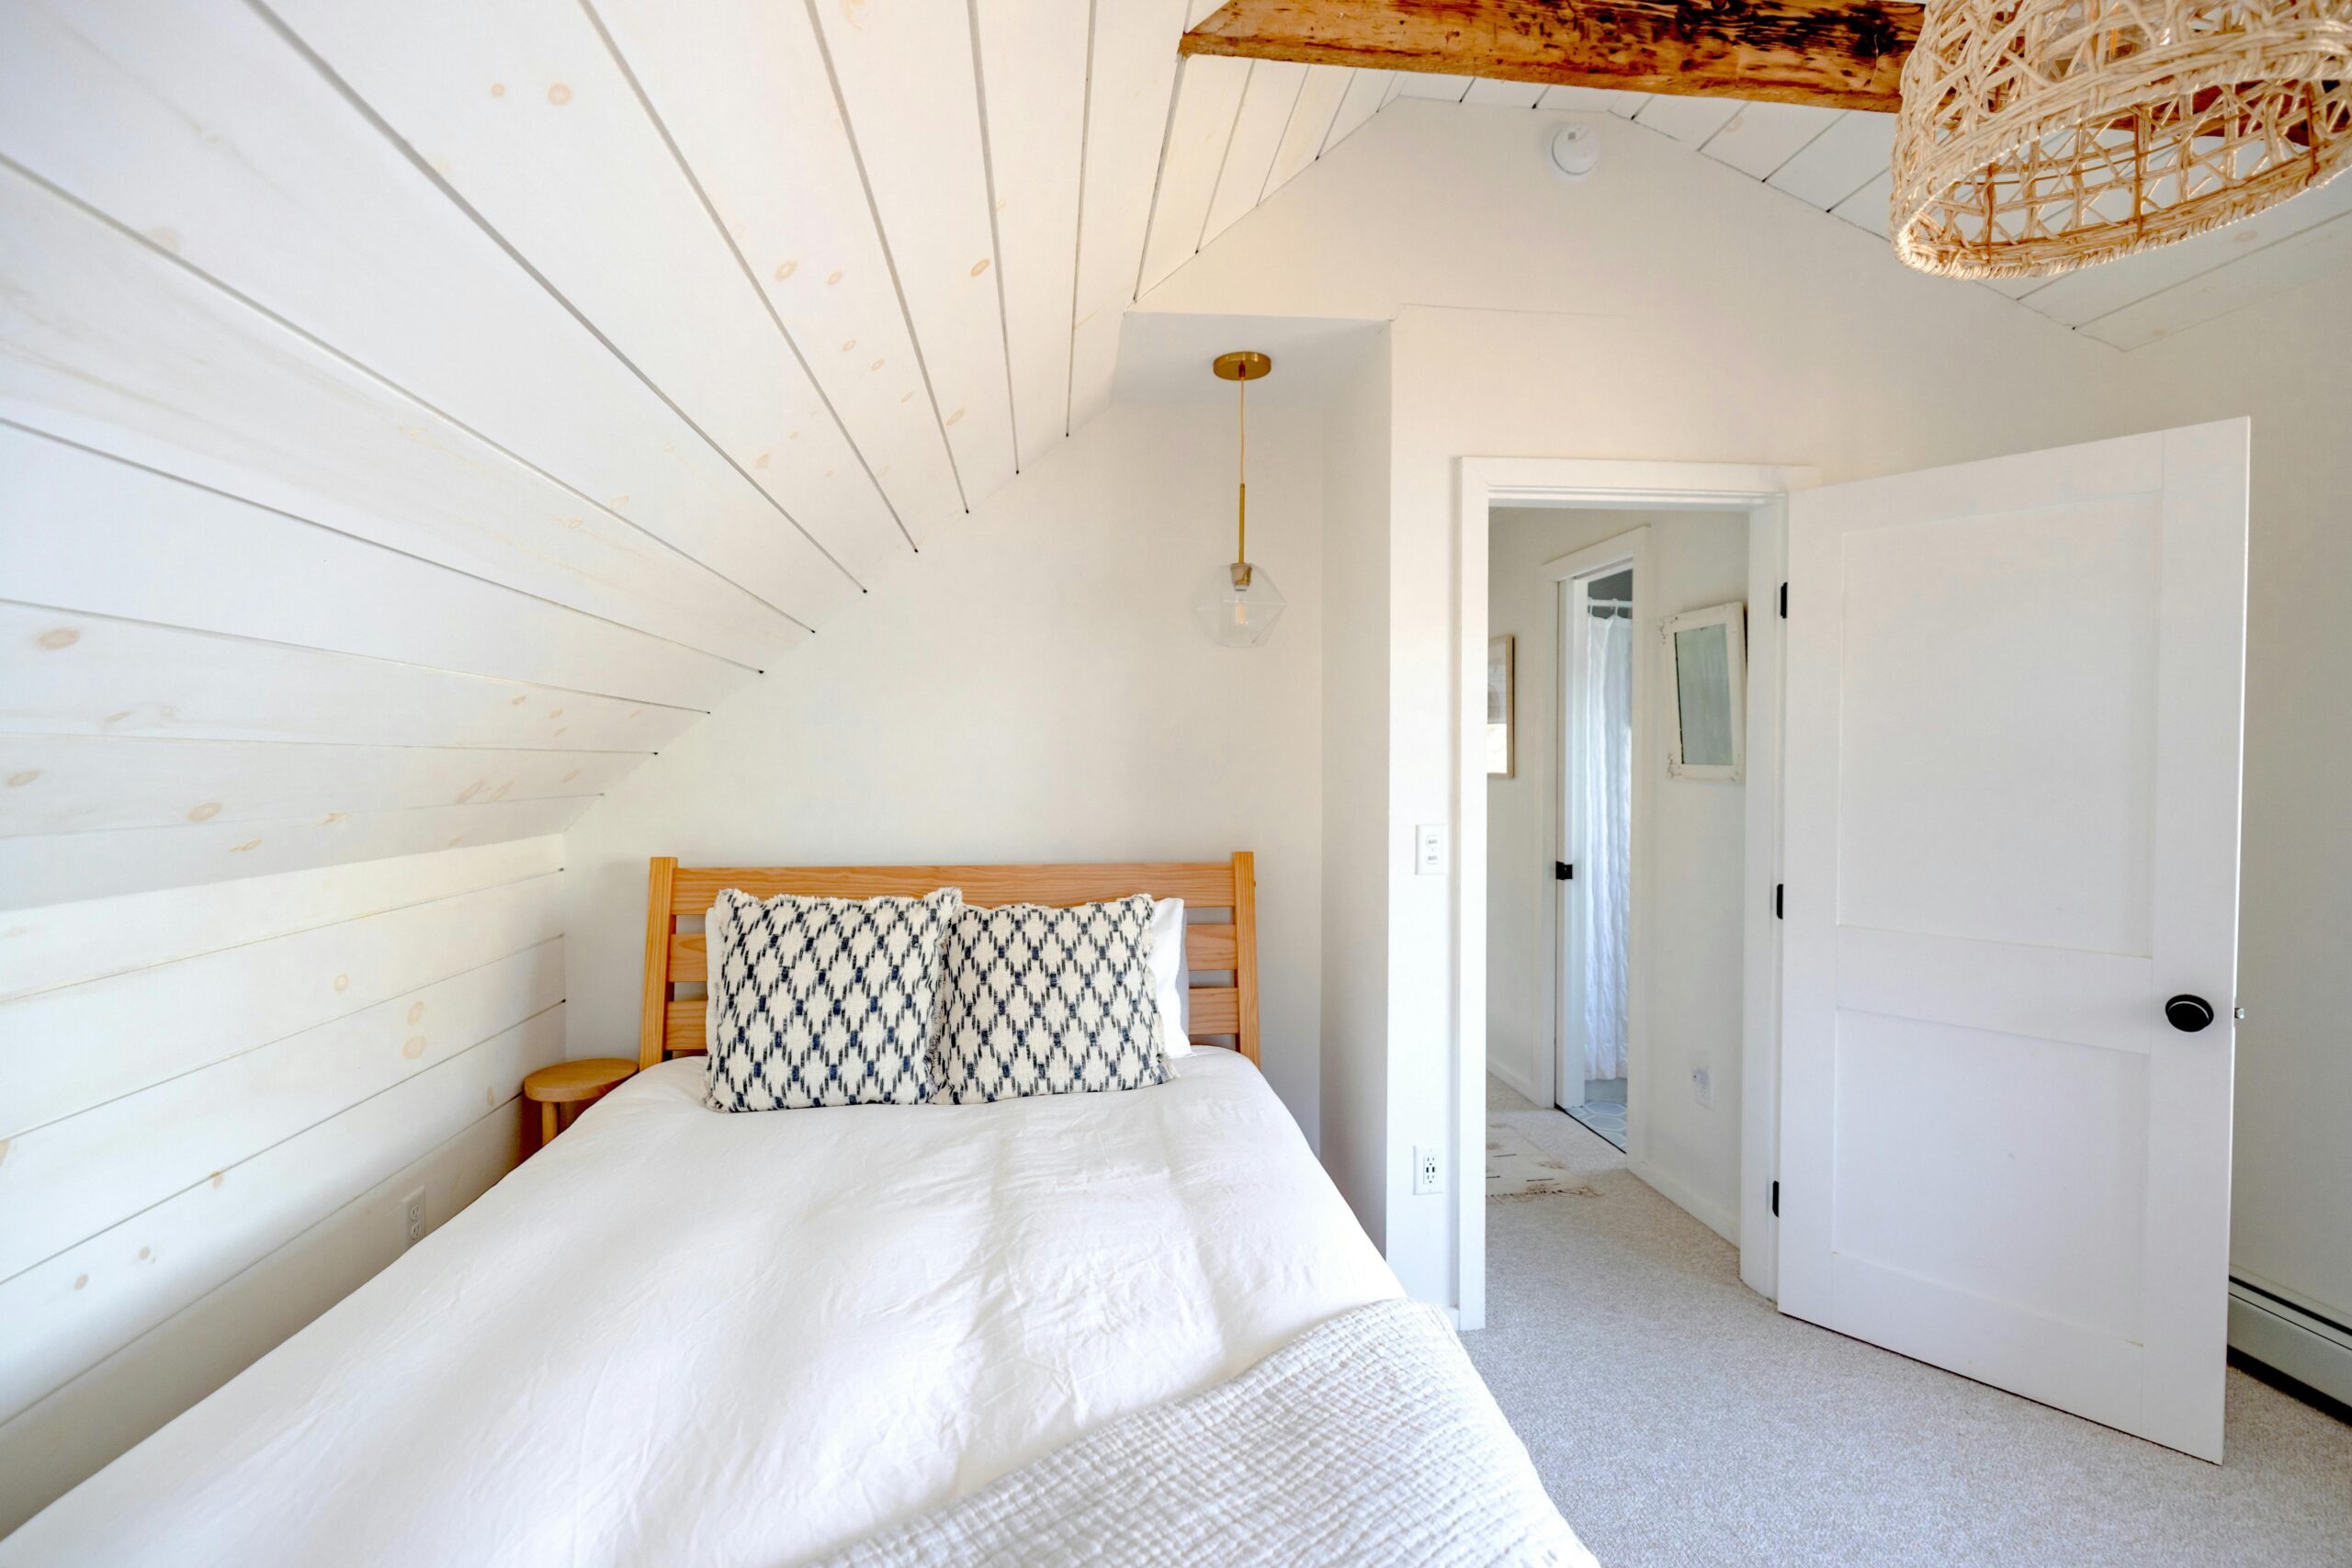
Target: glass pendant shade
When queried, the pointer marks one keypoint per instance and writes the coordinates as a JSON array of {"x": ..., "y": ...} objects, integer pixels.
[
  {"x": 1239, "y": 606},
  {"x": 2040, "y": 135}
]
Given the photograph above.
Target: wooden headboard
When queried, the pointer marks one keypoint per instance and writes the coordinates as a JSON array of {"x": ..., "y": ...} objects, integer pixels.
[{"x": 673, "y": 1025}]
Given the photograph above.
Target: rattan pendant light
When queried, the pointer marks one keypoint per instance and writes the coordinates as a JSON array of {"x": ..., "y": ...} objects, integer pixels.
[{"x": 2040, "y": 135}]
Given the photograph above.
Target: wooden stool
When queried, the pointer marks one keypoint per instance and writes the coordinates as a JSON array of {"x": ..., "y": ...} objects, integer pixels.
[{"x": 572, "y": 1084}]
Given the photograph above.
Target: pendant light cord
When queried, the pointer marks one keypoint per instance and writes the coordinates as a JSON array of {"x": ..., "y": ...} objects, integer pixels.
[{"x": 1241, "y": 541}]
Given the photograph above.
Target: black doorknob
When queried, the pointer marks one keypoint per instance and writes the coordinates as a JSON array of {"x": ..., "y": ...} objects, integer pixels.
[{"x": 2189, "y": 1014}]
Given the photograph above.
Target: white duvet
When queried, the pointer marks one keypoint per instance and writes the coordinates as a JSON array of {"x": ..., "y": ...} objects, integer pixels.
[{"x": 682, "y": 1336}]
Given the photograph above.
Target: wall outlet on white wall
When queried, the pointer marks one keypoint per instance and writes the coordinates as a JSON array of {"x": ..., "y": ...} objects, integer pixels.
[
  {"x": 1429, "y": 850},
  {"x": 1703, "y": 1080},
  {"x": 1429, "y": 1169},
  {"x": 412, "y": 1218}
]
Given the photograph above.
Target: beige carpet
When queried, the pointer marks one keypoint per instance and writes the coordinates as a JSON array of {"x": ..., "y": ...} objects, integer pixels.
[{"x": 1679, "y": 1419}]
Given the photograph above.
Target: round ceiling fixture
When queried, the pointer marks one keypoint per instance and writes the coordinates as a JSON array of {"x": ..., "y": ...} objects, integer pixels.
[
  {"x": 1575, "y": 152},
  {"x": 2040, "y": 135}
]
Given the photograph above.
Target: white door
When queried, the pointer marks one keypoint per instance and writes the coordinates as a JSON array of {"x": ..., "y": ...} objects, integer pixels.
[{"x": 2014, "y": 694}]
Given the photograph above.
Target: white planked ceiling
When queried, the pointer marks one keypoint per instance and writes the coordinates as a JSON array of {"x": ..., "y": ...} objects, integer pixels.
[{"x": 413, "y": 417}]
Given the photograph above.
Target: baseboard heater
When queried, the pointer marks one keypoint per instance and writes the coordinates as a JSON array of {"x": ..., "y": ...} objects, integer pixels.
[{"x": 2286, "y": 1334}]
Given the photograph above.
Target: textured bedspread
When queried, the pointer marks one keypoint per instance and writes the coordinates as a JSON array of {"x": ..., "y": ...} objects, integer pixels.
[{"x": 1368, "y": 1440}]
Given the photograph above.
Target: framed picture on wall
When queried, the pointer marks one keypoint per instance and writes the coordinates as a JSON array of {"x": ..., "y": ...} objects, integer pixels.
[{"x": 1498, "y": 706}]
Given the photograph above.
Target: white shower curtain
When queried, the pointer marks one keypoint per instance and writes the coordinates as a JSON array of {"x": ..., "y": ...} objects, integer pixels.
[{"x": 1604, "y": 764}]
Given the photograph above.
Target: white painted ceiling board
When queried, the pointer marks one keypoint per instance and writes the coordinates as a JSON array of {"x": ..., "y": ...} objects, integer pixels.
[
  {"x": 1689, "y": 121},
  {"x": 1129, "y": 89},
  {"x": 1266, "y": 105},
  {"x": 255, "y": 171},
  {"x": 1367, "y": 90},
  {"x": 1208, "y": 98},
  {"x": 1311, "y": 118},
  {"x": 74, "y": 674},
  {"x": 70, "y": 1179},
  {"x": 1624, "y": 106},
  {"x": 121, "y": 332},
  {"x": 87, "y": 784},
  {"x": 2292, "y": 261},
  {"x": 1867, "y": 208},
  {"x": 528, "y": 117},
  {"x": 1164, "y": 357},
  {"x": 138, "y": 860},
  {"x": 65, "y": 944},
  {"x": 1033, "y": 77},
  {"x": 1762, "y": 137},
  {"x": 909, "y": 80},
  {"x": 70, "y": 518},
  {"x": 1504, "y": 95},
  {"x": 2084, "y": 296},
  {"x": 138, "y": 1273},
  {"x": 743, "y": 89},
  {"x": 1839, "y": 162},
  {"x": 1432, "y": 85}
]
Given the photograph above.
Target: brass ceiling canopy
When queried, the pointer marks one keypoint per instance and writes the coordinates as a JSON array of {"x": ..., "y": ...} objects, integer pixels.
[{"x": 1249, "y": 365}]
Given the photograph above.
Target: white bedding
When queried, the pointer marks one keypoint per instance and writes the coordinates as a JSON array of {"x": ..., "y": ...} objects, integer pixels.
[{"x": 678, "y": 1335}]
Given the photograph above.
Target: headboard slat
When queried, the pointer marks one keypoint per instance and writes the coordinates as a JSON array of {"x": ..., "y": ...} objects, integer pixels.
[{"x": 674, "y": 1025}]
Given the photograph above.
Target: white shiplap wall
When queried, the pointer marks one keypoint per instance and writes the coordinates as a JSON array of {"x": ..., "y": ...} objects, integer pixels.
[
  {"x": 411, "y": 422},
  {"x": 200, "y": 1090}
]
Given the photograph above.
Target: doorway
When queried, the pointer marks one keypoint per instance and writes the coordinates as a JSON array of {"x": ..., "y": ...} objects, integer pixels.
[
  {"x": 1593, "y": 872},
  {"x": 1515, "y": 943}
]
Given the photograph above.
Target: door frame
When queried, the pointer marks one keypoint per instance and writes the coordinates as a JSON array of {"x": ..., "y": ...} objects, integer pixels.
[
  {"x": 1631, "y": 548},
  {"x": 1759, "y": 489}
]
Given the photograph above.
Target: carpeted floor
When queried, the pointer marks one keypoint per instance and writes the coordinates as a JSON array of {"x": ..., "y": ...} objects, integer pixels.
[{"x": 1679, "y": 1419}]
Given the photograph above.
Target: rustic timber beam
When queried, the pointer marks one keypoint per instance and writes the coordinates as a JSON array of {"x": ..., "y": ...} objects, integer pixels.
[{"x": 1835, "y": 53}]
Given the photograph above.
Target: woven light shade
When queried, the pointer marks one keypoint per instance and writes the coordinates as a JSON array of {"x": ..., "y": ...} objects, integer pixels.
[{"x": 2040, "y": 135}]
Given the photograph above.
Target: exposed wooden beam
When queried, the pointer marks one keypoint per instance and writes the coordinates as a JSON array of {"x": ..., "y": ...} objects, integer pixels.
[{"x": 1835, "y": 53}]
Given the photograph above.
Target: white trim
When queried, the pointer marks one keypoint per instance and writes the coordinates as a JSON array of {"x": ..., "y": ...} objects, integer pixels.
[
  {"x": 1713, "y": 1215},
  {"x": 1483, "y": 483},
  {"x": 2272, "y": 1327}
]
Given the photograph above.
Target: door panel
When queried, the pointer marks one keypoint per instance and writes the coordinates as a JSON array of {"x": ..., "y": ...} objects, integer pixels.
[{"x": 2014, "y": 693}]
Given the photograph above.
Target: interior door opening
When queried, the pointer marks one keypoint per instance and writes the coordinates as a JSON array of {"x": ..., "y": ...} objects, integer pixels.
[
  {"x": 1616, "y": 851},
  {"x": 1595, "y": 869}
]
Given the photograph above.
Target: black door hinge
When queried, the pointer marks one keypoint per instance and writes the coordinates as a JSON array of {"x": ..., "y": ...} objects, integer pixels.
[
  {"x": 1563, "y": 871},
  {"x": 1784, "y": 600},
  {"x": 1776, "y": 1199},
  {"x": 1778, "y": 888}
]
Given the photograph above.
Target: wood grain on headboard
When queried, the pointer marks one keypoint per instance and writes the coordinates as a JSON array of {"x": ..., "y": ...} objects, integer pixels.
[{"x": 673, "y": 1025}]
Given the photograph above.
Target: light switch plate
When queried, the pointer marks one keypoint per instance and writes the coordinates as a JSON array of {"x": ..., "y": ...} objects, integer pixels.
[{"x": 1429, "y": 850}]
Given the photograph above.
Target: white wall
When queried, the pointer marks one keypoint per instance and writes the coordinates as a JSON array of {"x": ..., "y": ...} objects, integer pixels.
[
  {"x": 1697, "y": 841},
  {"x": 2285, "y": 361},
  {"x": 1033, "y": 688},
  {"x": 1357, "y": 865},
  {"x": 1610, "y": 319},
  {"x": 215, "y": 1098}
]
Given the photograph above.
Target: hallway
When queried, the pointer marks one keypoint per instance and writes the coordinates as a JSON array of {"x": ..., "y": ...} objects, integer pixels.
[{"x": 1679, "y": 1419}]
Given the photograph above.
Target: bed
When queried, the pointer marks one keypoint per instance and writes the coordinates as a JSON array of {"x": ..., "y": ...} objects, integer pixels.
[{"x": 675, "y": 1336}]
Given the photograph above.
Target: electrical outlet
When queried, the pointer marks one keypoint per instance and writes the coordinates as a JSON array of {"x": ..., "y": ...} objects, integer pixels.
[
  {"x": 1429, "y": 850},
  {"x": 413, "y": 1217},
  {"x": 1703, "y": 1080},
  {"x": 1429, "y": 1169}
]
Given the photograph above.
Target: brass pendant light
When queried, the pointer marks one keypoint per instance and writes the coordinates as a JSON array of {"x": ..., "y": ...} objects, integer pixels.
[{"x": 1241, "y": 603}]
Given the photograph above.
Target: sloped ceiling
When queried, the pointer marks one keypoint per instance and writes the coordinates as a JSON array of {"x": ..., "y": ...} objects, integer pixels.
[{"x": 414, "y": 416}]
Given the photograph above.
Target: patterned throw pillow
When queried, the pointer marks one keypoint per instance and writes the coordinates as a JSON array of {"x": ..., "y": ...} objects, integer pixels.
[
  {"x": 1040, "y": 1000},
  {"x": 822, "y": 1002}
]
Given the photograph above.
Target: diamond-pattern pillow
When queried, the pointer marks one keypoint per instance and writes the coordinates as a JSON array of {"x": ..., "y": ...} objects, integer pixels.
[
  {"x": 1040, "y": 1000},
  {"x": 822, "y": 1002}
]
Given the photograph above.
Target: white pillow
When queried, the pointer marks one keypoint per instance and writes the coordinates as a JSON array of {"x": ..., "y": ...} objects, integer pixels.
[{"x": 1168, "y": 973}]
